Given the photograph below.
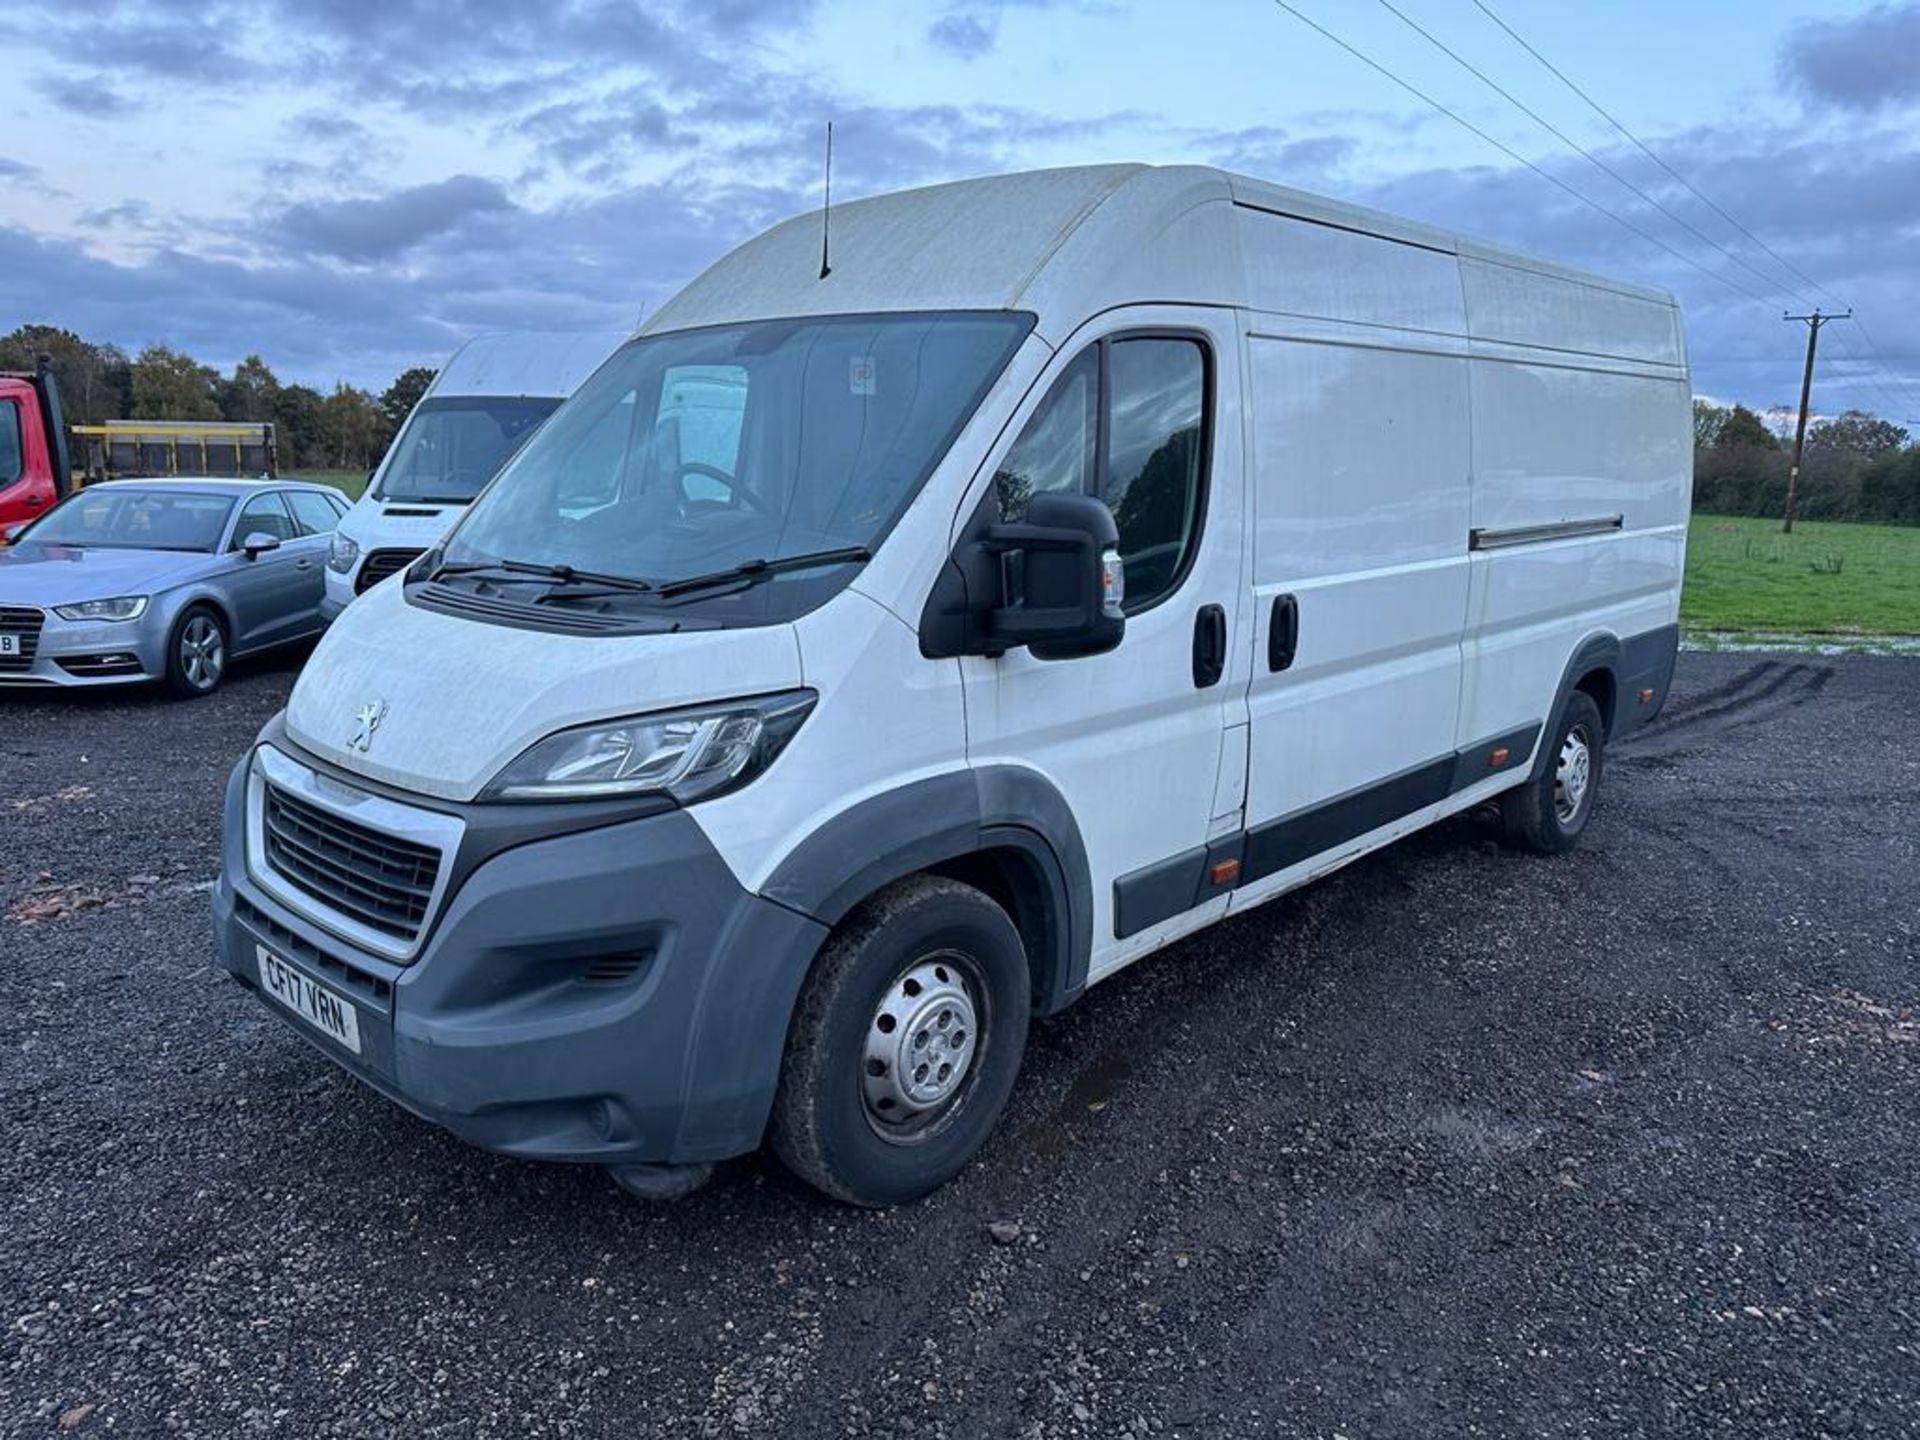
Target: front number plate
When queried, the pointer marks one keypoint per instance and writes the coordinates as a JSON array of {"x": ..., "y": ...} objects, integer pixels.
[
  {"x": 315, "y": 1004},
  {"x": 9, "y": 644}
]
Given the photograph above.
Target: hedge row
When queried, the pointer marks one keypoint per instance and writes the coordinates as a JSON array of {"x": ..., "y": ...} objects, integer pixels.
[{"x": 1884, "y": 490}]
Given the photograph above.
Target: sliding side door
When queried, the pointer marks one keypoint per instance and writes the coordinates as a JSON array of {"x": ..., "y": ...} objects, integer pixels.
[{"x": 1360, "y": 462}]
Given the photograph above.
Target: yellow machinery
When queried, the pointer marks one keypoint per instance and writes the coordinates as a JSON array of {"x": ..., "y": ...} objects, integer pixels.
[{"x": 119, "y": 449}]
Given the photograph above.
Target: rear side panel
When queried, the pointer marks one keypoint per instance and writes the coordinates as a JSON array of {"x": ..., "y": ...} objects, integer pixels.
[{"x": 1582, "y": 446}]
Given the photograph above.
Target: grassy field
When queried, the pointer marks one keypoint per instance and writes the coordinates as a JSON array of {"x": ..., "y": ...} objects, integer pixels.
[
  {"x": 351, "y": 481},
  {"x": 1825, "y": 578}
]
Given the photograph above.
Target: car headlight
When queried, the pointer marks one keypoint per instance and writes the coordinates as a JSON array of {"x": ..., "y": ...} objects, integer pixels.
[
  {"x": 121, "y": 607},
  {"x": 341, "y": 553},
  {"x": 688, "y": 754}
]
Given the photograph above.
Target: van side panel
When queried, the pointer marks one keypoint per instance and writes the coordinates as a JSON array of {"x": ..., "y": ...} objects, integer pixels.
[
  {"x": 1297, "y": 267},
  {"x": 1538, "y": 306},
  {"x": 1581, "y": 423},
  {"x": 1360, "y": 461}
]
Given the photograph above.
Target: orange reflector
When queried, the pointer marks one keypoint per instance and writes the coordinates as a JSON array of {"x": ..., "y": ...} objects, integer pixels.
[
  {"x": 1646, "y": 696},
  {"x": 1498, "y": 757},
  {"x": 1224, "y": 872}
]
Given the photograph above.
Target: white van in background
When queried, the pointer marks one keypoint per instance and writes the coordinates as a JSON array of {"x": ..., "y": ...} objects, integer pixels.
[
  {"x": 862, "y": 664},
  {"x": 483, "y": 404}
]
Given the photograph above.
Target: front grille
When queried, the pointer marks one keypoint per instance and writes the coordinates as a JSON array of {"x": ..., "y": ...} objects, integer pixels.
[
  {"x": 23, "y": 621},
  {"x": 380, "y": 881},
  {"x": 382, "y": 563},
  {"x": 290, "y": 945}
]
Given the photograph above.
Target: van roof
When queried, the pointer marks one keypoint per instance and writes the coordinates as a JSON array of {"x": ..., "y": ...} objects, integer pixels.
[
  {"x": 1064, "y": 244},
  {"x": 525, "y": 362}
]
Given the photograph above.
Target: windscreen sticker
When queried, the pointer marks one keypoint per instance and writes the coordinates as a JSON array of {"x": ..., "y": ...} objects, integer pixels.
[{"x": 860, "y": 375}]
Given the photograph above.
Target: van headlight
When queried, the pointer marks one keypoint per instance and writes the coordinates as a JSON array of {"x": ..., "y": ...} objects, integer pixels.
[
  {"x": 688, "y": 754},
  {"x": 121, "y": 607},
  {"x": 342, "y": 553}
]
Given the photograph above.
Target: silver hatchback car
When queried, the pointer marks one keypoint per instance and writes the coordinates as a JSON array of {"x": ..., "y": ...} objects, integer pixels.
[{"x": 165, "y": 580}]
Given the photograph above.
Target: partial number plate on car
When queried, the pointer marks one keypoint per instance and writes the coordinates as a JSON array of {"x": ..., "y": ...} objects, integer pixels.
[
  {"x": 315, "y": 1004},
  {"x": 9, "y": 644}
]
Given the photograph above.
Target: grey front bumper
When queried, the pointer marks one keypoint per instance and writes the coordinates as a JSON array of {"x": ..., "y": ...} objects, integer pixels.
[
  {"x": 139, "y": 645},
  {"x": 610, "y": 995}
]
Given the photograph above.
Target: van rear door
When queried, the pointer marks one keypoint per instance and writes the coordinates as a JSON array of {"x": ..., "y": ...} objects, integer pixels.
[{"x": 1142, "y": 409}]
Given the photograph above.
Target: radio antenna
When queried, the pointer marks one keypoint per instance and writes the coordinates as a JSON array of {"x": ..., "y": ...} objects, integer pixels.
[{"x": 826, "y": 208}]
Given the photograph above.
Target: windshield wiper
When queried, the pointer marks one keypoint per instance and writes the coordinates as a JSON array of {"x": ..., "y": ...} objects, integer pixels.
[
  {"x": 748, "y": 572},
  {"x": 531, "y": 570}
]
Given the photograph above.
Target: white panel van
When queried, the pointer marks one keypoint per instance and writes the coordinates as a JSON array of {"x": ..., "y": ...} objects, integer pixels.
[
  {"x": 862, "y": 664},
  {"x": 481, "y": 407}
]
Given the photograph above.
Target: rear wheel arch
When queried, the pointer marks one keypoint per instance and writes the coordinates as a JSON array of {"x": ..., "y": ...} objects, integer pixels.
[
  {"x": 1594, "y": 669},
  {"x": 1601, "y": 684}
]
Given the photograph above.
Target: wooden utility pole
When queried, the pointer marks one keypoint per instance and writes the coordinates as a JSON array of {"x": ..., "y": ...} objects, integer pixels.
[{"x": 1813, "y": 323}]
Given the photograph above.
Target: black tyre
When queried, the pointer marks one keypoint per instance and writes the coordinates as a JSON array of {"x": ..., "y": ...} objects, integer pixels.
[
  {"x": 905, "y": 1044},
  {"x": 1549, "y": 813},
  {"x": 197, "y": 652}
]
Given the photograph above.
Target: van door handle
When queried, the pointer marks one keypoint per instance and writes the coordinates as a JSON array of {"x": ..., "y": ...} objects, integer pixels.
[
  {"x": 1283, "y": 632},
  {"x": 1209, "y": 646}
]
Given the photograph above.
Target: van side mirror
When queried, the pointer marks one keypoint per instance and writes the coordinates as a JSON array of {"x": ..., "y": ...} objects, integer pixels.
[
  {"x": 1053, "y": 582},
  {"x": 258, "y": 544}
]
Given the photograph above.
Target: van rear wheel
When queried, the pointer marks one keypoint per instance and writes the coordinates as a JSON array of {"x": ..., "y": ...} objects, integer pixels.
[
  {"x": 1550, "y": 812},
  {"x": 905, "y": 1045}
]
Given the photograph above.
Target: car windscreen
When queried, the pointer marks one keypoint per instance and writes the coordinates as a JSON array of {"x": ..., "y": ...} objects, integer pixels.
[
  {"x": 116, "y": 519},
  {"x": 694, "y": 451},
  {"x": 452, "y": 446}
]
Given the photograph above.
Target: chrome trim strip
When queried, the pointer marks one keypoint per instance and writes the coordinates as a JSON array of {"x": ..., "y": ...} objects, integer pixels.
[
  {"x": 1540, "y": 534},
  {"x": 429, "y": 828}
]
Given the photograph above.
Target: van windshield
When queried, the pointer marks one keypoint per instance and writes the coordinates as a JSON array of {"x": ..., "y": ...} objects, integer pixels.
[
  {"x": 690, "y": 453},
  {"x": 452, "y": 446}
]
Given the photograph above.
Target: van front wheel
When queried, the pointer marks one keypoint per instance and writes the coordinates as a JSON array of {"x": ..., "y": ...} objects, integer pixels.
[
  {"x": 1550, "y": 812},
  {"x": 905, "y": 1045}
]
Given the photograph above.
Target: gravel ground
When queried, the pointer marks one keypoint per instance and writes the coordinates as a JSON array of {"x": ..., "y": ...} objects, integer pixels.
[{"x": 1458, "y": 1142}]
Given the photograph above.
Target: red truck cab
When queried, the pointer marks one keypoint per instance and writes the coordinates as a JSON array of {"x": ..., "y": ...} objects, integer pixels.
[{"x": 33, "y": 447}]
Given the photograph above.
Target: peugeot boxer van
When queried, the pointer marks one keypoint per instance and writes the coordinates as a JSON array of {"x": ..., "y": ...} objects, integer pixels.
[
  {"x": 482, "y": 406},
  {"x": 864, "y": 663}
]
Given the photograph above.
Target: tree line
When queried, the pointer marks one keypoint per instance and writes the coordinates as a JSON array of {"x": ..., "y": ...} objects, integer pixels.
[
  {"x": 346, "y": 429},
  {"x": 1856, "y": 467}
]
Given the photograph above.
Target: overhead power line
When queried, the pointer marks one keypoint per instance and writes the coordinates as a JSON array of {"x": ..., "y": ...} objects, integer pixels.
[
  {"x": 1515, "y": 155},
  {"x": 1869, "y": 384},
  {"x": 1765, "y": 279},
  {"x": 1647, "y": 151}
]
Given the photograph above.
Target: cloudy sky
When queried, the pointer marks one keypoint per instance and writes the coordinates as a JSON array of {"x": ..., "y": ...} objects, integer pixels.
[{"x": 351, "y": 186}]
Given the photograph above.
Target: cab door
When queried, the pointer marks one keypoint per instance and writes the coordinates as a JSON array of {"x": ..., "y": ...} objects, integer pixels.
[
  {"x": 1142, "y": 410},
  {"x": 26, "y": 471}
]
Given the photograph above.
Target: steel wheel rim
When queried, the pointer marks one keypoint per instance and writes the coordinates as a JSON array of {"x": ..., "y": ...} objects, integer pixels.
[
  {"x": 1572, "y": 774},
  {"x": 203, "y": 652},
  {"x": 923, "y": 1046}
]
